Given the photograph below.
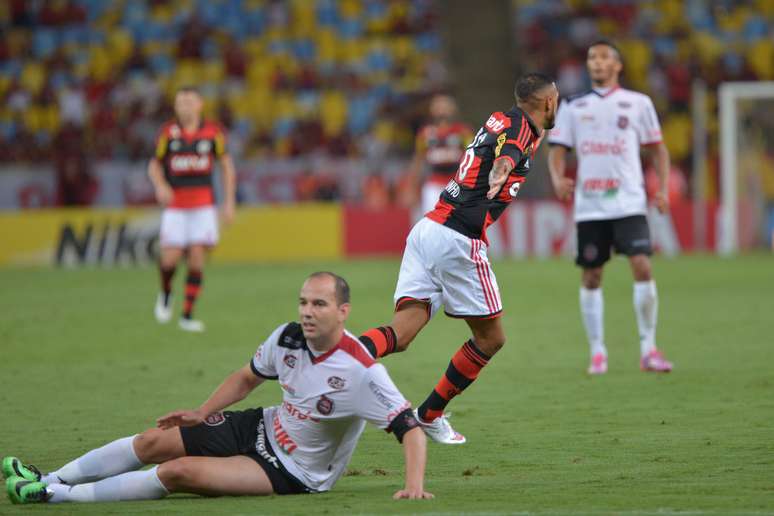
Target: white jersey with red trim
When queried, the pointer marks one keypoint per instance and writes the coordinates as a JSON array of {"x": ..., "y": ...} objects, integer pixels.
[
  {"x": 326, "y": 401},
  {"x": 606, "y": 131}
]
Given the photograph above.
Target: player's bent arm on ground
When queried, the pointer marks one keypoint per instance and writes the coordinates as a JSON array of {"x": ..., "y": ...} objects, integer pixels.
[
  {"x": 499, "y": 175},
  {"x": 659, "y": 154},
  {"x": 234, "y": 388},
  {"x": 229, "y": 183},
  {"x": 415, "y": 453},
  {"x": 160, "y": 185}
]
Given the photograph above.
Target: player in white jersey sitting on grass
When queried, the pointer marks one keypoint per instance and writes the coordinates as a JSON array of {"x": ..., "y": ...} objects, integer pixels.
[
  {"x": 607, "y": 127},
  {"x": 331, "y": 385}
]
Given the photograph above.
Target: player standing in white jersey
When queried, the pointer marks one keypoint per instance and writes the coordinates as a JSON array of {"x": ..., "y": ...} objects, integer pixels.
[
  {"x": 607, "y": 127},
  {"x": 331, "y": 385}
]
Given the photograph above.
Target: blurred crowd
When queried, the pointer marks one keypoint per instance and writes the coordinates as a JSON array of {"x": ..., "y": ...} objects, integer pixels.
[
  {"x": 666, "y": 45},
  {"x": 285, "y": 77},
  {"x": 89, "y": 80}
]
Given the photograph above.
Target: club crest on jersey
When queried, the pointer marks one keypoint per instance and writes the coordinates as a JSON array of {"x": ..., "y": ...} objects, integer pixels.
[
  {"x": 174, "y": 132},
  {"x": 514, "y": 189},
  {"x": 623, "y": 122},
  {"x": 324, "y": 405},
  {"x": 335, "y": 382},
  {"x": 175, "y": 145},
  {"x": 204, "y": 147},
  {"x": 290, "y": 360},
  {"x": 215, "y": 419}
]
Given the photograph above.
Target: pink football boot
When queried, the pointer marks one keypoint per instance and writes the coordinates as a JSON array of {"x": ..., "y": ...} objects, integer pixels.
[
  {"x": 598, "y": 364},
  {"x": 655, "y": 362}
]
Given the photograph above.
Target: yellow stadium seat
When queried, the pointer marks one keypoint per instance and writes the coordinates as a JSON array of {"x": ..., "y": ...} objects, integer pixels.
[
  {"x": 761, "y": 59},
  {"x": 677, "y": 136},
  {"x": 33, "y": 76}
]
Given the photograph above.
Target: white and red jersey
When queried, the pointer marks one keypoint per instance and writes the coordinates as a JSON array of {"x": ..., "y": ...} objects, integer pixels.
[
  {"x": 606, "y": 131},
  {"x": 326, "y": 401}
]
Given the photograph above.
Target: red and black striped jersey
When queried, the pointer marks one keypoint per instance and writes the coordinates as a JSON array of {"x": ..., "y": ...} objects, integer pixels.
[
  {"x": 442, "y": 147},
  {"x": 188, "y": 159},
  {"x": 463, "y": 205}
]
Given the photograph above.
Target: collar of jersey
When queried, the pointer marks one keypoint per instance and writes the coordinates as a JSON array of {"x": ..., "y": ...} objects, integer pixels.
[
  {"x": 608, "y": 93},
  {"x": 321, "y": 358},
  {"x": 517, "y": 110}
]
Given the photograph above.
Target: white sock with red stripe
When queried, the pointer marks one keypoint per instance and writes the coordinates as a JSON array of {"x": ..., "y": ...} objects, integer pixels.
[
  {"x": 592, "y": 306},
  {"x": 646, "y": 308}
]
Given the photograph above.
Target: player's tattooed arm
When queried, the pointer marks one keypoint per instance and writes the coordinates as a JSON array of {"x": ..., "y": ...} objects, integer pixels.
[{"x": 498, "y": 176}]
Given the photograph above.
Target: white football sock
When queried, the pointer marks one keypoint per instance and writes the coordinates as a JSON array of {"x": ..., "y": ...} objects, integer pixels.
[
  {"x": 134, "y": 485},
  {"x": 592, "y": 307},
  {"x": 646, "y": 309},
  {"x": 112, "y": 459}
]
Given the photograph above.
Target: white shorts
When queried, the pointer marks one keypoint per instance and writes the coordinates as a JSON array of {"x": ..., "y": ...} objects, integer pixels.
[
  {"x": 185, "y": 227},
  {"x": 444, "y": 267},
  {"x": 431, "y": 191}
]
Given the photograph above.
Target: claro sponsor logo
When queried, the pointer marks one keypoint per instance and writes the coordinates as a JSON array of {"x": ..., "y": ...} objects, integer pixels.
[{"x": 617, "y": 148}]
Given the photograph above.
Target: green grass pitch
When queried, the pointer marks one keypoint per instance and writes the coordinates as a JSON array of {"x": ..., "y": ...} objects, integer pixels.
[{"x": 83, "y": 362}]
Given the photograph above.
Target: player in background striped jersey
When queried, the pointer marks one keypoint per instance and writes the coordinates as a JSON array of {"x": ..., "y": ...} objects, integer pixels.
[{"x": 182, "y": 173}]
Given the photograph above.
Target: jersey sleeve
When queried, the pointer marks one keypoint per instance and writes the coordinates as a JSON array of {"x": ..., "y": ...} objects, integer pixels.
[
  {"x": 648, "y": 126},
  {"x": 263, "y": 363},
  {"x": 563, "y": 132},
  {"x": 379, "y": 401},
  {"x": 161, "y": 144},
  {"x": 511, "y": 144}
]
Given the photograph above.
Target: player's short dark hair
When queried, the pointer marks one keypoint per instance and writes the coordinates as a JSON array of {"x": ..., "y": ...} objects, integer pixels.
[
  {"x": 341, "y": 285},
  {"x": 188, "y": 88},
  {"x": 529, "y": 84},
  {"x": 608, "y": 43}
]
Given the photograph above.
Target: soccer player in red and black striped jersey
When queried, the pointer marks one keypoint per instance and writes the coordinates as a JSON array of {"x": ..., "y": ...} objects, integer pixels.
[
  {"x": 439, "y": 147},
  {"x": 445, "y": 261},
  {"x": 181, "y": 172}
]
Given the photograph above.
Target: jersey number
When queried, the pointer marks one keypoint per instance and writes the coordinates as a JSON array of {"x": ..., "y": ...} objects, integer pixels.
[{"x": 470, "y": 155}]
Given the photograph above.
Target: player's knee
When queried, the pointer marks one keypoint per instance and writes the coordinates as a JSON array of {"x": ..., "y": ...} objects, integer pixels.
[
  {"x": 148, "y": 446},
  {"x": 175, "y": 474},
  {"x": 641, "y": 268},
  {"x": 490, "y": 344},
  {"x": 592, "y": 278}
]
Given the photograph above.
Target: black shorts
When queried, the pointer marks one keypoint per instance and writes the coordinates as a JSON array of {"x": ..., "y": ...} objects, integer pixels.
[
  {"x": 629, "y": 236},
  {"x": 231, "y": 433}
]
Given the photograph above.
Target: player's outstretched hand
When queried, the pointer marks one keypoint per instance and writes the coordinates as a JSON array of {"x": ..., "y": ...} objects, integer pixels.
[
  {"x": 412, "y": 494},
  {"x": 564, "y": 188},
  {"x": 662, "y": 202},
  {"x": 180, "y": 418}
]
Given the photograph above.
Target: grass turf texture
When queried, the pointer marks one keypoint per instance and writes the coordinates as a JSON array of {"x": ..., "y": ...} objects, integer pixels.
[{"x": 83, "y": 362}]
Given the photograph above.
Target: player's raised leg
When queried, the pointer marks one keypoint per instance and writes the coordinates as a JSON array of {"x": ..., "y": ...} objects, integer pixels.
[
  {"x": 193, "y": 284},
  {"x": 410, "y": 317},
  {"x": 170, "y": 256},
  {"x": 464, "y": 368},
  {"x": 645, "y": 299}
]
